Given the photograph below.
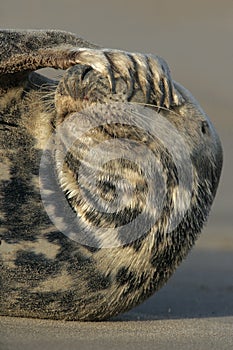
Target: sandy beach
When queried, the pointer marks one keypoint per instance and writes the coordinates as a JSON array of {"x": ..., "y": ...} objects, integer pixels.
[{"x": 195, "y": 309}]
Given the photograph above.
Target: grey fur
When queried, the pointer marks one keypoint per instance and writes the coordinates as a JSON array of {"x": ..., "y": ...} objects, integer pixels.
[{"x": 44, "y": 274}]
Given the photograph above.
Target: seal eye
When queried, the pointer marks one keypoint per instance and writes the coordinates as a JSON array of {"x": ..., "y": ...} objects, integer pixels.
[{"x": 204, "y": 127}]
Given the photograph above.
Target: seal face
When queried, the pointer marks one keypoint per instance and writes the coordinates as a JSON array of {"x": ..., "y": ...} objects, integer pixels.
[{"x": 106, "y": 176}]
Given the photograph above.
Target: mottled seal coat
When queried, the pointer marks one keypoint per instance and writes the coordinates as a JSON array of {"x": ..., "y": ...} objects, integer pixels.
[{"x": 45, "y": 274}]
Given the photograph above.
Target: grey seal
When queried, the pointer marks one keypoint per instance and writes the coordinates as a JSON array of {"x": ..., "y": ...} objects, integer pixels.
[{"x": 44, "y": 272}]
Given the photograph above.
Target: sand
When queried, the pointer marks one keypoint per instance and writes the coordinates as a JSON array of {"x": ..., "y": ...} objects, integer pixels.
[
  {"x": 208, "y": 333},
  {"x": 195, "y": 309}
]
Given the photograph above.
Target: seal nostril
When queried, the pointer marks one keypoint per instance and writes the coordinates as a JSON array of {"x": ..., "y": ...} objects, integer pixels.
[{"x": 85, "y": 72}]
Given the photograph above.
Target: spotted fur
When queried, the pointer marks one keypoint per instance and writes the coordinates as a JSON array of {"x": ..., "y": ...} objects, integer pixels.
[{"x": 43, "y": 273}]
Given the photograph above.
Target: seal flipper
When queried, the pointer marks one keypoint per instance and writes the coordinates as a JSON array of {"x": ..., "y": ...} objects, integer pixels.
[
  {"x": 29, "y": 50},
  {"x": 24, "y": 51}
]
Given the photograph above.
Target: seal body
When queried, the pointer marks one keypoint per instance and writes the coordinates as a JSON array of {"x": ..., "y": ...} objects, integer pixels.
[{"x": 44, "y": 272}]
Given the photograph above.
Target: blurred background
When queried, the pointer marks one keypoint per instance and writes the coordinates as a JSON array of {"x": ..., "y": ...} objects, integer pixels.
[{"x": 195, "y": 38}]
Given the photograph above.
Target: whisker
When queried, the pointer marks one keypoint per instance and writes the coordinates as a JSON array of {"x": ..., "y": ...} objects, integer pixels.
[{"x": 155, "y": 106}]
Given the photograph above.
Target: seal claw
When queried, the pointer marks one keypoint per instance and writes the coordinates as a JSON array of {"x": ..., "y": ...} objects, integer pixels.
[
  {"x": 150, "y": 72},
  {"x": 123, "y": 67},
  {"x": 142, "y": 73}
]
